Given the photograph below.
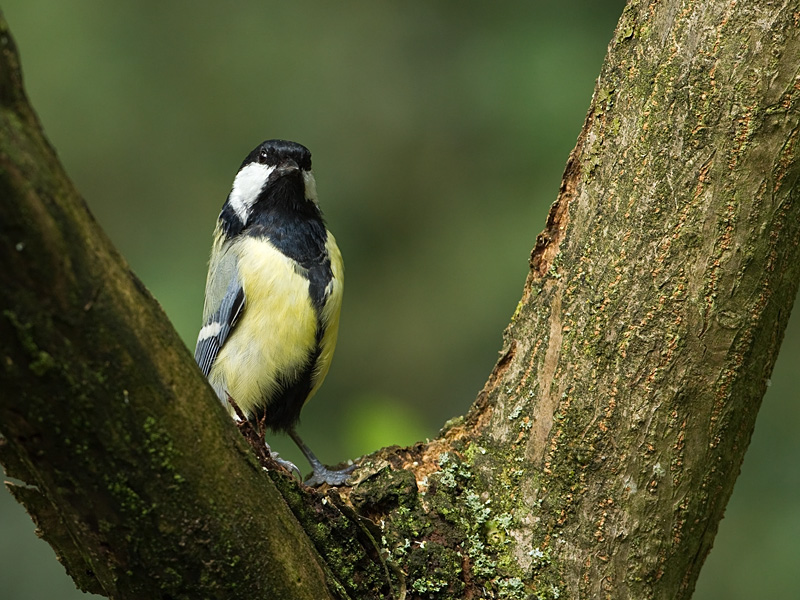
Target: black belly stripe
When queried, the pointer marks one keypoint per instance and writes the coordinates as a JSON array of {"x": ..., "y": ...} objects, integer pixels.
[{"x": 282, "y": 411}]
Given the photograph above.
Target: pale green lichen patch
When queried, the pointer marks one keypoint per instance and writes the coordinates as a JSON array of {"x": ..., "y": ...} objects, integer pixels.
[
  {"x": 455, "y": 533},
  {"x": 434, "y": 570}
]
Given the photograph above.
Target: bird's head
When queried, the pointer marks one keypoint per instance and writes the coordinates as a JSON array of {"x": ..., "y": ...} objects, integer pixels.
[{"x": 277, "y": 173}]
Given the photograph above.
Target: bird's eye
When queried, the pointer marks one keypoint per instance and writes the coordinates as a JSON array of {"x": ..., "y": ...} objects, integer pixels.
[{"x": 262, "y": 156}]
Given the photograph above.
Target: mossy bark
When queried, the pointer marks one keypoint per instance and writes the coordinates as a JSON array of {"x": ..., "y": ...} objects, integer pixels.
[{"x": 599, "y": 457}]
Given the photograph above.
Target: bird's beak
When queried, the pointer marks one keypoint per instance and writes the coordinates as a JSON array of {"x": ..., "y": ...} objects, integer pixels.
[{"x": 287, "y": 167}]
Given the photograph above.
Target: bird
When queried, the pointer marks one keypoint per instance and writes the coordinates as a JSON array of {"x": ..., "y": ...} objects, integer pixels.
[{"x": 273, "y": 296}]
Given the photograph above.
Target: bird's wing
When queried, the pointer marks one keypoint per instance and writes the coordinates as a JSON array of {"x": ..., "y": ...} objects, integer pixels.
[
  {"x": 224, "y": 304},
  {"x": 328, "y": 329}
]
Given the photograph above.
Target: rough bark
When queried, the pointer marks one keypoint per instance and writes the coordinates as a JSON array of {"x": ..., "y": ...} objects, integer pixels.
[
  {"x": 663, "y": 285},
  {"x": 599, "y": 457}
]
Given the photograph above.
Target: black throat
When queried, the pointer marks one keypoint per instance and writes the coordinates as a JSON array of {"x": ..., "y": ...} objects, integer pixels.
[{"x": 282, "y": 214}]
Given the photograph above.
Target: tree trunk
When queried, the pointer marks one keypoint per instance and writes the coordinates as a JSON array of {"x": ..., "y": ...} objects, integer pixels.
[{"x": 599, "y": 457}]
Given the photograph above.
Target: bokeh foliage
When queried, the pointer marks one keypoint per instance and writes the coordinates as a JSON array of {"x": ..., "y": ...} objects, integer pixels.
[{"x": 439, "y": 133}]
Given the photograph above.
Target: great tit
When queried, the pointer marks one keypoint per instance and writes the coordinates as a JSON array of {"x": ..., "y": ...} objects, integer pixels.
[{"x": 273, "y": 295}]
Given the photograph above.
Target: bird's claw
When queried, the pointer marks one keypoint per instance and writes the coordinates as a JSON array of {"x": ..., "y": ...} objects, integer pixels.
[
  {"x": 286, "y": 464},
  {"x": 322, "y": 475}
]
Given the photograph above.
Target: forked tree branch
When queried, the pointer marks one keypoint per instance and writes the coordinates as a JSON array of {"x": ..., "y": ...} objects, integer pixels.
[{"x": 599, "y": 457}]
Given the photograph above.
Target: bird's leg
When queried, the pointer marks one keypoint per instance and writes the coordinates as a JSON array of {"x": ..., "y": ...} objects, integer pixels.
[
  {"x": 258, "y": 429},
  {"x": 321, "y": 474},
  {"x": 288, "y": 465}
]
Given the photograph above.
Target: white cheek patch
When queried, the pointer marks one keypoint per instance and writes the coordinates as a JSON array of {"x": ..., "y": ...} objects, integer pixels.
[
  {"x": 247, "y": 186},
  {"x": 311, "y": 186}
]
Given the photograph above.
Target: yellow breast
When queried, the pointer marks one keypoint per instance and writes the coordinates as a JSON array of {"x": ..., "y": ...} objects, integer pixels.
[{"x": 277, "y": 329}]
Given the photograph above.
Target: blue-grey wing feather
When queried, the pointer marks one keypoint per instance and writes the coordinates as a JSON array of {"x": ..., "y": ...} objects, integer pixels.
[{"x": 219, "y": 326}]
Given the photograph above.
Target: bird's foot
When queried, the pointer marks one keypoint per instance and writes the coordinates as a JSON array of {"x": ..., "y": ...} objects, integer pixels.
[
  {"x": 322, "y": 475},
  {"x": 288, "y": 465}
]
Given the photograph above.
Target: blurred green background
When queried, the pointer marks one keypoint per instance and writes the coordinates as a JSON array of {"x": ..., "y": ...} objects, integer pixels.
[{"x": 439, "y": 133}]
